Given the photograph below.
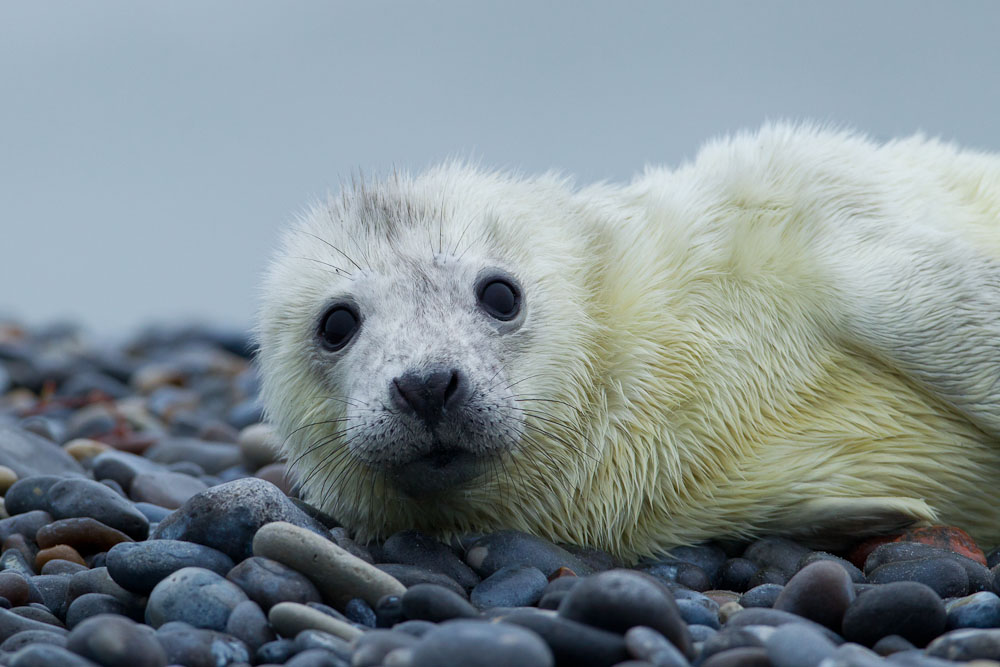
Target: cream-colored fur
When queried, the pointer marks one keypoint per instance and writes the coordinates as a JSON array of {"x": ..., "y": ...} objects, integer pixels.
[{"x": 797, "y": 333}]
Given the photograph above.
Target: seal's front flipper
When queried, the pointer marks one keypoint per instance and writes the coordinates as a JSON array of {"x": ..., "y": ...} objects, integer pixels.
[{"x": 837, "y": 523}]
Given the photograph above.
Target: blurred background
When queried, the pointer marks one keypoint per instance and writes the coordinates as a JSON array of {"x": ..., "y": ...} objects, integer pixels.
[{"x": 151, "y": 151}]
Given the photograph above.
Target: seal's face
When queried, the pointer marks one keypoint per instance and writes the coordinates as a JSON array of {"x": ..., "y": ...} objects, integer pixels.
[
  {"x": 416, "y": 354},
  {"x": 416, "y": 348}
]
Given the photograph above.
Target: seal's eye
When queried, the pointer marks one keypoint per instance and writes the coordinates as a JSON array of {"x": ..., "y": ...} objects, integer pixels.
[
  {"x": 500, "y": 298},
  {"x": 337, "y": 326}
]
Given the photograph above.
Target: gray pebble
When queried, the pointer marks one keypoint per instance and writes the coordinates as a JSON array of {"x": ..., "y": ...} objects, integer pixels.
[
  {"x": 967, "y": 644},
  {"x": 248, "y": 623},
  {"x": 195, "y": 596},
  {"x": 185, "y": 645},
  {"x": 166, "y": 489},
  {"x": 116, "y": 641},
  {"x": 28, "y": 454},
  {"x": 820, "y": 592},
  {"x": 510, "y": 586},
  {"x": 275, "y": 652},
  {"x": 617, "y": 600},
  {"x": 317, "y": 657},
  {"x": 139, "y": 566},
  {"x": 434, "y": 603},
  {"x": 571, "y": 642},
  {"x": 411, "y": 547},
  {"x": 226, "y": 517},
  {"x": 761, "y": 596},
  {"x": 694, "y": 613},
  {"x": 372, "y": 647},
  {"x": 269, "y": 582},
  {"x": 47, "y": 655},
  {"x": 411, "y": 575},
  {"x": 466, "y": 643},
  {"x": 946, "y": 577},
  {"x": 795, "y": 645},
  {"x": 86, "y": 498},
  {"x": 358, "y": 611},
  {"x": 647, "y": 644},
  {"x": 25, "y": 637},
  {"x": 92, "y": 604},
  {"x": 510, "y": 547},
  {"x": 11, "y": 624},
  {"x": 907, "y": 608},
  {"x": 979, "y": 610}
]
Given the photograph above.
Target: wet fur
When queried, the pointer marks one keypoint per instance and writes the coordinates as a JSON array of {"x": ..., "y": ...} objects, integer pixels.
[{"x": 797, "y": 333}]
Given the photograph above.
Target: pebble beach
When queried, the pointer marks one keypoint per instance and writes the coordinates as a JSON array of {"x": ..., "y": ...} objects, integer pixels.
[{"x": 146, "y": 522}]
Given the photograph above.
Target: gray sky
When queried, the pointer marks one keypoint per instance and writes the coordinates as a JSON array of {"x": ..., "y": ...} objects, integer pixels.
[{"x": 150, "y": 151}]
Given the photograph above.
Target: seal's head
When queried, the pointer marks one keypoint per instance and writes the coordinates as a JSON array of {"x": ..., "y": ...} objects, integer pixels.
[{"x": 422, "y": 345}]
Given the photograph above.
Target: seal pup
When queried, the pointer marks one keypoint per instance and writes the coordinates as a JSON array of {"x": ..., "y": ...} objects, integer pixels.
[{"x": 798, "y": 333}]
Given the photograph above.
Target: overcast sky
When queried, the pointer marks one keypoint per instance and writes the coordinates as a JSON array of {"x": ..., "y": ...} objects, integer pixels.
[{"x": 150, "y": 151}]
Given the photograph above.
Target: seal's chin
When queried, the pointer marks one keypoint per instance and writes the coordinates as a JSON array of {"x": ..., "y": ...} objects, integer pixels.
[{"x": 436, "y": 472}]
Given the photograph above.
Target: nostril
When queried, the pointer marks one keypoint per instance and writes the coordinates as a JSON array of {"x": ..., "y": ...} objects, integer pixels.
[{"x": 452, "y": 387}]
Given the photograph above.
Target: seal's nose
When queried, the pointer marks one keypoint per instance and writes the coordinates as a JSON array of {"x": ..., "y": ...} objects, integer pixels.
[{"x": 429, "y": 393}]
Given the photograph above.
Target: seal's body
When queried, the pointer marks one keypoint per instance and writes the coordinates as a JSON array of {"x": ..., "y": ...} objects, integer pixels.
[{"x": 798, "y": 333}]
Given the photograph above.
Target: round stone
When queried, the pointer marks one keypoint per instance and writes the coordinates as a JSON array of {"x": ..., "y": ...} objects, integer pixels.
[
  {"x": 821, "y": 592},
  {"x": 761, "y": 596},
  {"x": 795, "y": 645},
  {"x": 411, "y": 547},
  {"x": 166, "y": 489},
  {"x": 268, "y": 582},
  {"x": 227, "y": 517},
  {"x": 116, "y": 641},
  {"x": 908, "y": 609},
  {"x": 83, "y": 533},
  {"x": 647, "y": 644},
  {"x": 979, "y": 610},
  {"x": 572, "y": 643},
  {"x": 967, "y": 644},
  {"x": 140, "y": 566},
  {"x": 249, "y": 623},
  {"x": 428, "y": 602},
  {"x": 735, "y": 574},
  {"x": 71, "y": 498},
  {"x": 510, "y": 547},
  {"x": 945, "y": 576},
  {"x": 195, "y": 596},
  {"x": 465, "y": 643},
  {"x": 92, "y": 604},
  {"x": 510, "y": 586},
  {"x": 617, "y": 600}
]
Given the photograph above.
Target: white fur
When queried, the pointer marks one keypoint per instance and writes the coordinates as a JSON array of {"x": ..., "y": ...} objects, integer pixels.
[{"x": 797, "y": 333}]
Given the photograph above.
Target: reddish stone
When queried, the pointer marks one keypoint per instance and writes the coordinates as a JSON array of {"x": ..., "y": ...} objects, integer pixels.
[
  {"x": 859, "y": 553},
  {"x": 562, "y": 572},
  {"x": 82, "y": 533},
  {"x": 945, "y": 537},
  {"x": 58, "y": 552}
]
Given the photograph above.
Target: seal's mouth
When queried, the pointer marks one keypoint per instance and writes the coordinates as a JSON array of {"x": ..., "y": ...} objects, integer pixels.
[{"x": 437, "y": 471}]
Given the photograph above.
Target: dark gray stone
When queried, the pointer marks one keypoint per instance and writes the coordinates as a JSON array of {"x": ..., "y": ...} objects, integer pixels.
[
  {"x": 820, "y": 592},
  {"x": 680, "y": 572},
  {"x": 856, "y": 575},
  {"x": 25, "y": 637},
  {"x": 761, "y": 596},
  {"x": 139, "y": 566},
  {"x": 967, "y": 644},
  {"x": 411, "y": 547},
  {"x": 776, "y": 553},
  {"x": 71, "y": 498},
  {"x": 29, "y": 454},
  {"x": 92, "y": 604},
  {"x": 122, "y": 466},
  {"x": 268, "y": 582},
  {"x": 47, "y": 655},
  {"x": 276, "y": 652},
  {"x": 186, "y": 645},
  {"x": 411, "y": 575},
  {"x": 979, "y": 610},
  {"x": 510, "y": 586},
  {"x": 647, "y": 644},
  {"x": 225, "y": 517},
  {"x": 510, "y": 547},
  {"x": 735, "y": 574},
  {"x": 907, "y": 608},
  {"x": 428, "y": 602},
  {"x": 11, "y": 624},
  {"x": 617, "y": 600},
  {"x": 694, "y": 613},
  {"x": 195, "y": 596},
  {"x": 372, "y": 647},
  {"x": 248, "y": 623},
  {"x": 213, "y": 457},
  {"x": 945, "y": 576},
  {"x": 116, "y": 641},
  {"x": 795, "y": 645},
  {"x": 466, "y": 643}
]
